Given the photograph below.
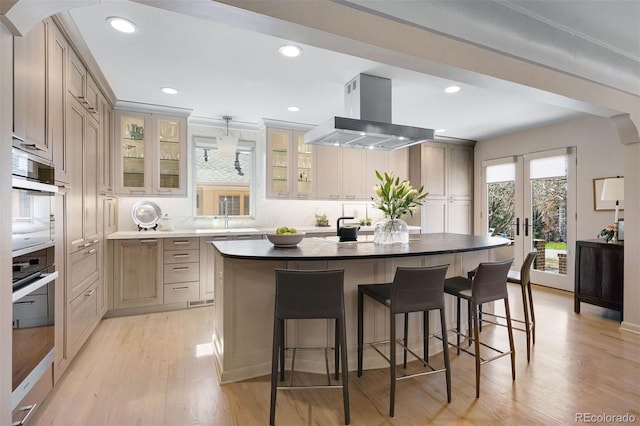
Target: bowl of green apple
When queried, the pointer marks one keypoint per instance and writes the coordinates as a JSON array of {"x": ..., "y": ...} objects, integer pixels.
[{"x": 285, "y": 237}]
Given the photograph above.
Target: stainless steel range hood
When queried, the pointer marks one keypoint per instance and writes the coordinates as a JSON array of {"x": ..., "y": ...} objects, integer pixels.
[{"x": 368, "y": 125}]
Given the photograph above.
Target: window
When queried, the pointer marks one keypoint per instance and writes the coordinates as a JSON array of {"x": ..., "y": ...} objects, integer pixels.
[{"x": 221, "y": 182}]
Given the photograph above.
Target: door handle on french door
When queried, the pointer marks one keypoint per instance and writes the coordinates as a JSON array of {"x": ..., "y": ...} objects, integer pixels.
[
  {"x": 517, "y": 226},
  {"x": 526, "y": 226}
]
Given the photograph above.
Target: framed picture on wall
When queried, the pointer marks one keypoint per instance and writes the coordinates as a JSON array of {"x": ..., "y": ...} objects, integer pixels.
[
  {"x": 621, "y": 229},
  {"x": 598, "y": 203}
]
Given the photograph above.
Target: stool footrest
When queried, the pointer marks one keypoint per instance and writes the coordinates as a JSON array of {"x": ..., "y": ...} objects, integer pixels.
[{"x": 309, "y": 387}]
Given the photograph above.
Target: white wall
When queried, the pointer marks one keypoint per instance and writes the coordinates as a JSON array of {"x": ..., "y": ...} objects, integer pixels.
[{"x": 599, "y": 154}]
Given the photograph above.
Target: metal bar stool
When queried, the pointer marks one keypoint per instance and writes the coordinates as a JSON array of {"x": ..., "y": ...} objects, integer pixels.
[
  {"x": 488, "y": 284},
  {"x": 311, "y": 294},
  {"x": 414, "y": 289},
  {"x": 523, "y": 279}
]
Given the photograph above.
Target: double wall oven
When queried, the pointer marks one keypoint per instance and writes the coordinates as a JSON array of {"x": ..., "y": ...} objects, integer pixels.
[{"x": 34, "y": 274}]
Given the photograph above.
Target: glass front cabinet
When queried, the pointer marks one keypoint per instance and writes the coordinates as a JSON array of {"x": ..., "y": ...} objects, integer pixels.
[
  {"x": 151, "y": 153},
  {"x": 290, "y": 165}
]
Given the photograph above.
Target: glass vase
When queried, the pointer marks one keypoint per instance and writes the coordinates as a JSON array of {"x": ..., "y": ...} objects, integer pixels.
[{"x": 391, "y": 231}]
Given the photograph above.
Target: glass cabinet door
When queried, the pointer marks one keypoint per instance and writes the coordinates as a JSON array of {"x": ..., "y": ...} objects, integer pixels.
[
  {"x": 133, "y": 152},
  {"x": 169, "y": 153},
  {"x": 304, "y": 175},
  {"x": 279, "y": 146}
]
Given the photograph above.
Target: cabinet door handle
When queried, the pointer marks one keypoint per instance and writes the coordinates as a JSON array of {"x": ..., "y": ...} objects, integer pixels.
[
  {"x": 148, "y": 241},
  {"x": 180, "y": 288},
  {"x": 517, "y": 226},
  {"x": 334, "y": 196},
  {"x": 526, "y": 226},
  {"x": 91, "y": 251},
  {"x": 25, "y": 302},
  {"x": 181, "y": 243},
  {"x": 29, "y": 409},
  {"x": 32, "y": 146},
  {"x": 182, "y": 268},
  {"x": 90, "y": 293},
  {"x": 181, "y": 255},
  {"x": 86, "y": 244},
  {"x": 18, "y": 138},
  {"x": 244, "y": 237}
]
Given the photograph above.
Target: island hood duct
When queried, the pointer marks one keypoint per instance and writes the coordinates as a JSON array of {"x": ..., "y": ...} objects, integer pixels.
[{"x": 368, "y": 105}]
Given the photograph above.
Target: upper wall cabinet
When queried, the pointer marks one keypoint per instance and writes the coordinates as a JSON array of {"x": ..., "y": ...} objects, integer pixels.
[
  {"x": 151, "y": 153},
  {"x": 349, "y": 173},
  {"x": 29, "y": 91},
  {"x": 58, "y": 54},
  {"x": 290, "y": 165},
  {"x": 82, "y": 86}
]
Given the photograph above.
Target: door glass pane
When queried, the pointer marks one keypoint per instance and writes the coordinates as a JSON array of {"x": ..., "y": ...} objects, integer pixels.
[
  {"x": 305, "y": 172},
  {"x": 279, "y": 162},
  {"x": 549, "y": 213},
  {"x": 501, "y": 199},
  {"x": 169, "y": 132},
  {"x": 132, "y": 152}
]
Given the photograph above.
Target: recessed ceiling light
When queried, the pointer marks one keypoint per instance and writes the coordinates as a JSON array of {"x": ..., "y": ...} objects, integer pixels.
[
  {"x": 336, "y": 144},
  {"x": 293, "y": 109},
  {"x": 371, "y": 147},
  {"x": 290, "y": 51},
  {"x": 121, "y": 24},
  {"x": 452, "y": 89},
  {"x": 363, "y": 134},
  {"x": 400, "y": 138},
  {"x": 169, "y": 90},
  {"x": 440, "y": 130}
]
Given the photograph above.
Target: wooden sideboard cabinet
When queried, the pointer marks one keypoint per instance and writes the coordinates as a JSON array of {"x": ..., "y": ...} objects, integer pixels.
[{"x": 599, "y": 278}]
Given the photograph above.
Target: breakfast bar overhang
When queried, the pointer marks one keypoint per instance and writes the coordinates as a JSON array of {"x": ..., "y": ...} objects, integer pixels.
[{"x": 245, "y": 293}]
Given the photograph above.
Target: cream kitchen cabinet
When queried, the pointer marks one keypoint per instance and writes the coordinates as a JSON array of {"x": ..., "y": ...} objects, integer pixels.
[
  {"x": 137, "y": 273},
  {"x": 30, "y": 91},
  {"x": 83, "y": 133},
  {"x": 348, "y": 173},
  {"x": 181, "y": 270},
  {"x": 58, "y": 51},
  {"x": 105, "y": 148},
  {"x": 446, "y": 171},
  {"x": 290, "y": 165},
  {"x": 82, "y": 86},
  {"x": 151, "y": 154}
]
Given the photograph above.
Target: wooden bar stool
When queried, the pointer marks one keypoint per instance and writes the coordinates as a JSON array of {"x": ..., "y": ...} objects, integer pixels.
[
  {"x": 414, "y": 289},
  {"x": 488, "y": 284},
  {"x": 310, "y": 294}
]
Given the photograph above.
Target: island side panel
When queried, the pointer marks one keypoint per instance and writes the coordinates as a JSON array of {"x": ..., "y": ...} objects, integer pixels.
[{"x": 245, "y": 296}]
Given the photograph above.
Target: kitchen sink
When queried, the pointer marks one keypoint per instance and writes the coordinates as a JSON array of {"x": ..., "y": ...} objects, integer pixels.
[{"x": 226, "y": 231}]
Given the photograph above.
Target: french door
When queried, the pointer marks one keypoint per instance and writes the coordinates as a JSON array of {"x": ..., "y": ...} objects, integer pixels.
[{"x": 531, "y": 199}]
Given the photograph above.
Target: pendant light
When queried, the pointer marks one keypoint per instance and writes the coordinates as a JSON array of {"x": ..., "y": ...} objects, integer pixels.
[{"x": 227, "y": 144}]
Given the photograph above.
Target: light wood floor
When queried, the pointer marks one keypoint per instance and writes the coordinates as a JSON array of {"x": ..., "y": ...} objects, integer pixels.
[{"x": 158, "y": 369}]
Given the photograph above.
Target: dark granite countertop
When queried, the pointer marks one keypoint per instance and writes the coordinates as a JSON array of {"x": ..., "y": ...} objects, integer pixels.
[{"x": 323, "y": 249}]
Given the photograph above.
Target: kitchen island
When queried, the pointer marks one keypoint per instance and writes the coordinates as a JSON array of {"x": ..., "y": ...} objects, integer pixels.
[{"x": 245, "y": 290}]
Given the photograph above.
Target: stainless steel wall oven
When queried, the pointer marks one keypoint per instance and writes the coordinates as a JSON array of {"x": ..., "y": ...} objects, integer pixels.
[{"x": 34, "y": 273}]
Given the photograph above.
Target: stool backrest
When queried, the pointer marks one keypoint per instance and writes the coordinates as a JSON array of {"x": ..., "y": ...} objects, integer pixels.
[
  {"x": 309, "y": 294},
  {"x": 525, "y": 270},
  {"x": 418, "y": 288},
  {"x": 490, "y": 281}
]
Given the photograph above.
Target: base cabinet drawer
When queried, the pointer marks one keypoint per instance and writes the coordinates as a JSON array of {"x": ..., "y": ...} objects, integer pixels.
[
  {"x": 83, "y": 315},
  {"x": 181, "y": 292},
  {"x": 181, "y": 243},
  {"x": 181, "y": 256},
  {"x": 181, "y": 272},
  {"x": 83, "y": 270}
]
